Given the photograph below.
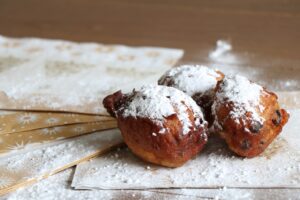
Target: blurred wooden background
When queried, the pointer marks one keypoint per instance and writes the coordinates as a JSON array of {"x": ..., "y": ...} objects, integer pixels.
[{"x": 266, "y": 33}]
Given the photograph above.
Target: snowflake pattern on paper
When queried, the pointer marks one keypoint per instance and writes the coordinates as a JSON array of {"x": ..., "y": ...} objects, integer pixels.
[
  {"x": 79, "y": 129},
  {"x": 27, "y": 118},
  {"x": 71, "y": 115},
  {"x": 17, "y": 146},
  {"x": 52, "y": 120},
  {"x": 51, "y": 131}
]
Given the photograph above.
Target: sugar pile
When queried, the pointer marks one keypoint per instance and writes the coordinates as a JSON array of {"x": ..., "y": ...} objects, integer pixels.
[{"x": 222, "y": 53}]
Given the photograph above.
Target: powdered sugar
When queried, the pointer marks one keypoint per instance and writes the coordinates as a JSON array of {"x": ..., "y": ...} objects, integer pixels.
[
  {"x": 58, "y": 187},
  {"x": 44, "y": 161},
  {"x": 56, "y": 74},
  {"x": 192, "y": 79},
  {"x": 223, "y": 53},
  {"x": 244, "y": 95},
  {"x": 158, "y": 102},
  {"x": 222, "y": 47},
  {"x": 215, "y": 167}
]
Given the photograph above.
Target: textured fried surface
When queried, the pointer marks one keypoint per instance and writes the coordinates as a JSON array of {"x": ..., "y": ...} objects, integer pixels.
[
  {"x": 170, "y": 148},
  {"x": 249, "y": 138}
]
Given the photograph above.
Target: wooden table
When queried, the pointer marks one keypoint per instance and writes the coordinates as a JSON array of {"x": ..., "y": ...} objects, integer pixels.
[{"x": 266, "y": 34}]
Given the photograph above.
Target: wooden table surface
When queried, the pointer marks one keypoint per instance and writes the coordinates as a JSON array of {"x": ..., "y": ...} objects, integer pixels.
[
  {"x": 270, "y": 28},
  {"x": 265, "y": 34}
]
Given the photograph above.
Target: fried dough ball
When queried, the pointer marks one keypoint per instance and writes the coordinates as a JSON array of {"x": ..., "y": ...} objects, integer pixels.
[
  {"x": 159, "y": 124},
  {"x": 197, "y": 81},
  {"x": 247, "y": 116}
]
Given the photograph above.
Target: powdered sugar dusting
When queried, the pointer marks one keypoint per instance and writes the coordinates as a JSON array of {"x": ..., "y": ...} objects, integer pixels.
[
  {"x": 158, "y": 102},
  {"x": 192, "y": 79},
  {"x": 223, "y": 53},
  {"x": 44, "y": 161},
  {"x": 216, "y": 166},
  {"x": 244, "y": 95},
  {"x": 57, "y": 74},
  {"x": 221, "y": 48},
  {"x": 58, "y": 187}
]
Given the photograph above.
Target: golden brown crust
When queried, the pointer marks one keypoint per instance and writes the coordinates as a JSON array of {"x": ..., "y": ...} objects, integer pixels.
[
  {"x": 145, "y": 138},
  {"x": 113, "y": 102},
  {"x": 252, "y": 138},
  {"x": 170, "y": 149}
]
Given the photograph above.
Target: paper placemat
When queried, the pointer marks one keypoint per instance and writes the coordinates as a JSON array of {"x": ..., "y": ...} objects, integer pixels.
[
  {"x": 58, "y": 187},
  {"x": 24, "y": 169},
  {"x": 41, "y": 74},
  {"x": 216, "y": 166},
  {"x": 14, "y": 122},
  {"x": 29, "y": 140}
]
